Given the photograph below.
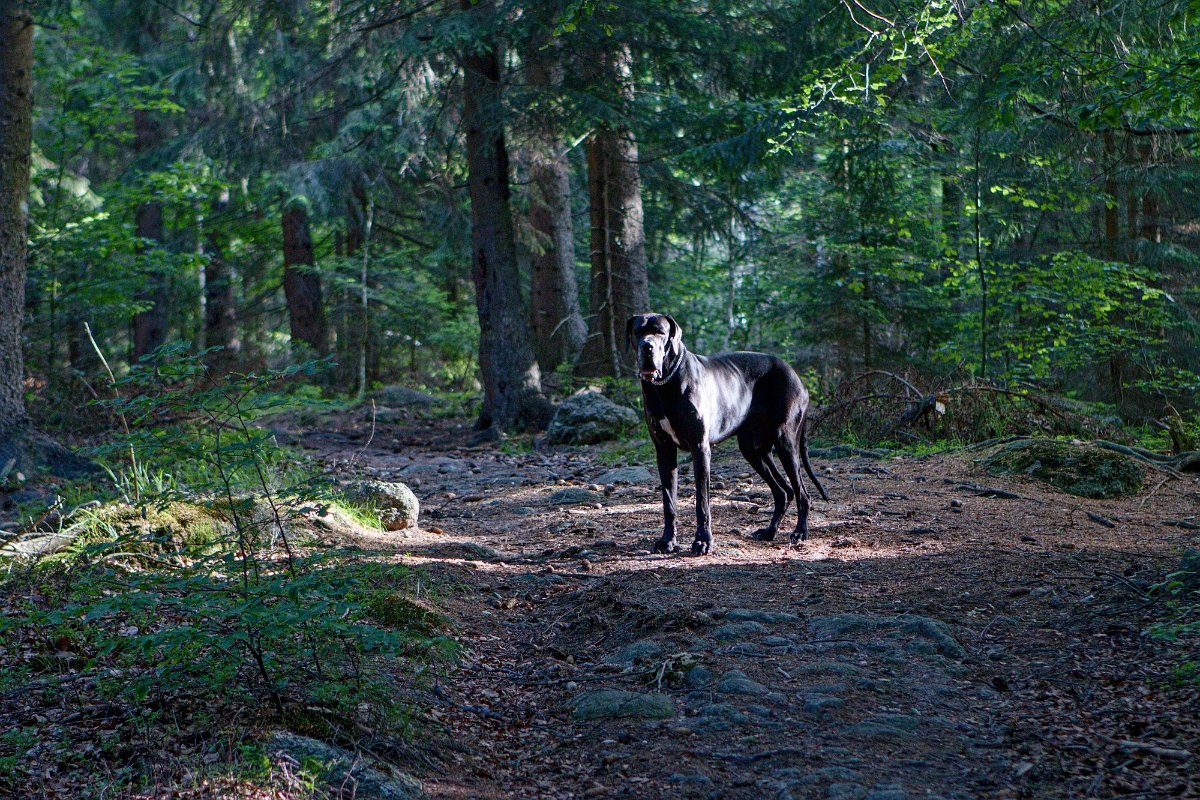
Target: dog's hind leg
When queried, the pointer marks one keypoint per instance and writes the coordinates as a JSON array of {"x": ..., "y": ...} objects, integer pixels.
[
  {"x": 761, "y": 461},
  {"x": 785, "y": 448},
  {"x": 782, "y": 481}
]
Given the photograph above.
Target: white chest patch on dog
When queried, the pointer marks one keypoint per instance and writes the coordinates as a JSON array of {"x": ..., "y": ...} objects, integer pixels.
[{"x": 665, "y": 424}]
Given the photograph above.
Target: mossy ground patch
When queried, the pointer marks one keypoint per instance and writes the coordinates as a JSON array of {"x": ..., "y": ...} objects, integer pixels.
[{"x": 1079, "y": 469}]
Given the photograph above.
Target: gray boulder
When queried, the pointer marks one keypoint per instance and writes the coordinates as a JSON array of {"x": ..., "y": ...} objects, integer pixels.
[
  {"x": 342, "y": 770},
  {"x": 398, "y": 507},
  {"x": 588, "y": 418}
]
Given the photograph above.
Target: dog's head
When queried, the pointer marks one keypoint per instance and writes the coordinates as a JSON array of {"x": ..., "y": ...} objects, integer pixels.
[{"x": 656, "y": 339}]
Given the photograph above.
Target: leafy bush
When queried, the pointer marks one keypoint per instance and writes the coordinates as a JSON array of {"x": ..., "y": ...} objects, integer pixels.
[{"x": 194, "y": 592}]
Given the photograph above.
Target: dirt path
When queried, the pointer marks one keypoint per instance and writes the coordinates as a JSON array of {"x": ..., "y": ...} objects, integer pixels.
[{"x": 926, "y": 642}]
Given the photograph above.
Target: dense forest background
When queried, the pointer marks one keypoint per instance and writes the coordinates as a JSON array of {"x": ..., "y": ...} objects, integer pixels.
[
  {"x": 311, "y": 288},
  {"x": 999, "y": 191}
]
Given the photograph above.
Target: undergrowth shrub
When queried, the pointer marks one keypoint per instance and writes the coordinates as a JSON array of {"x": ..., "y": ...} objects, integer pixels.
[{"x": 199, "y": 590}]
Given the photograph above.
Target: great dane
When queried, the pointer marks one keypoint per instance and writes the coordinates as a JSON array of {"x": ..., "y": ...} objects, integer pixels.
[{"x": 693, "y": 402}]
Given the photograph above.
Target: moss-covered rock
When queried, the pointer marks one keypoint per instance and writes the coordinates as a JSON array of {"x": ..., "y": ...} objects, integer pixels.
[
  {"x": 170, "y": 526},
  {"x": 589, "y": 418},
  {"x": 1079, "y": 469},
  {"x": 397, "y": 506}
]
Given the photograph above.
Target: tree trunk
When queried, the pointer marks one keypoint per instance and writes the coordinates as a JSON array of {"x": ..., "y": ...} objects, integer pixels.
[
  {"x": 149, "y": 326},
  {"x": 220, "y": 301},
  {"x": 1151, "y": 227},
  {"x": 511, "y": 378},
  {"x": 1112, "y": 251},
  {"x": 301, "y": 284},
  {"x": 558, "y": 327},
  {"x": 620, "y": 284},
  {"x": 1112, "y": 231},
  {"x": 16, "y": 121},
  {"x": 21, "y": 448}
]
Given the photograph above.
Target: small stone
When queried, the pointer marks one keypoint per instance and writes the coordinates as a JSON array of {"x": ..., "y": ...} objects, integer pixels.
[
  {"x": 630, "y": 654},
  {"x": 571, "y": 495},
  {"x": 736, "y": 630},
  {"x": 698, "y": 678},
  {"x": 756, "y": 615},
  {"x": 625, "y": 475},
  {"x": 736, "y": 682},
  {"x": 717, "y": 718},
  {"x": 821, "y": 704},
  {"x": 777, "y": 641},
  {"x": 746, "y": 650},
  {"x": 695, "y": 781}
]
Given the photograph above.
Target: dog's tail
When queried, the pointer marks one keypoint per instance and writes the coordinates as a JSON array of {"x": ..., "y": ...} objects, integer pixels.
[{"x": 803, "y": 442}]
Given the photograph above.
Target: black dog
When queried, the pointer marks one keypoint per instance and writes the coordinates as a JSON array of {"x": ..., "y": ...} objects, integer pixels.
[{"x": 693, "y": 402}]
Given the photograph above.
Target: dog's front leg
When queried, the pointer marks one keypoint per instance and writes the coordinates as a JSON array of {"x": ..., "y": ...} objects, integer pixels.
[
  {"x": 667, "y": 455},
  {"x": 701, "y": 458}
]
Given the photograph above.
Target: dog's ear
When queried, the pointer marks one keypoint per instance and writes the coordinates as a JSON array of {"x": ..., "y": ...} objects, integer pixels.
[
  {"x": 676, "y": 333},
  {"x": 629, "y": 334}
]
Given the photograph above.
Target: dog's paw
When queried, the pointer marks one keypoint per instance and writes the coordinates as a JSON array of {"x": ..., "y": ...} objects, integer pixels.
[
  {"x": 701, "y": 547},
  {"x": 763, "y": 535},
  {"x": 665, "y": 546}
]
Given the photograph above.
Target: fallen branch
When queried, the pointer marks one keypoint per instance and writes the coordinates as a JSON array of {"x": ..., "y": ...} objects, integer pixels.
[
  {"x": 989, "y": 491},
  {"x": 1175, "y": 465},
  {"x": 744, "y": 758},
  {"x": 1105, "y": 521},
  {"x": 1167, "y": 753}
]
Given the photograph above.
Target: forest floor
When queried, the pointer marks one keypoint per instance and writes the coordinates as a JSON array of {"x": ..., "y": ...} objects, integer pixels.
[{"x": 925, "y": 642}]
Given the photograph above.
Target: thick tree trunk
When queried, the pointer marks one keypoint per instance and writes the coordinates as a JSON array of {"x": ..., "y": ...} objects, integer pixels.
[
  {"x": 558, "y": 327},
  {"x": 16, "y": 120},
  {"x": 149, "y": 326},
  {"x": 511, "y": 378},
  {"x": 620, "y": 285},
  {"x": 301, "y": 284},
  {"x": 220, "y": 300},
  {"x": 22, "y": 450}
]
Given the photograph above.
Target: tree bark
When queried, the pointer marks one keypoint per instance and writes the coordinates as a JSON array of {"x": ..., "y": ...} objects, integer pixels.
[
  {"x": 149, "y": 326},
  {"x": 1112, "y": 231},
  {"x": 22, "y": 449},
  {"x": 301, "y": 284},
  {"x": 620, "y": 284},
  {"x": 16, "y": 129},
  {"x": 558, "y": 327},
  {"x": 220, "y": 300},
  {"x": 511, "y": 378},
  {"x": 1151, "y": 225}
]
